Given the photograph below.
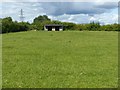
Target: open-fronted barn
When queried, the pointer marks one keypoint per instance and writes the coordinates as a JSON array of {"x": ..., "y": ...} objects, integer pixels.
[{"x": 53, "y": 27}]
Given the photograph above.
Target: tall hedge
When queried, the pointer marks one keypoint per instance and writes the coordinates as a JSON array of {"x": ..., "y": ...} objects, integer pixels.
[{"x": 8, "y": 25}]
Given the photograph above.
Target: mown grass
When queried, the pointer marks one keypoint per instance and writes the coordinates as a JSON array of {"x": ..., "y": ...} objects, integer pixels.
[{"x": 60, "y": 59}]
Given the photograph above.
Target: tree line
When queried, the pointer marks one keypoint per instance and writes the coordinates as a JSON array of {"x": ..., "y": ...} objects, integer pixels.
[{"x": 8, "y": 25}]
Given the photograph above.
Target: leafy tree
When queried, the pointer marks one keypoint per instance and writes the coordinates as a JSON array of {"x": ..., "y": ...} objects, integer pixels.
[
  {"x": 23, "y": 26},
  {"x": 6, "y": 24},
  {"x": 9, "y": 19},
  {"x": 69, "y": 26},
  {"x": 56, "y": 22},
  {"x": 93, "y": 26},
  {"x": 9, "y": 26},
  {"x": 41, "y": 19}
]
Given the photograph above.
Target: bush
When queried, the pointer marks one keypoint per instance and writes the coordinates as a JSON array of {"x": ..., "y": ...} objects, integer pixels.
[{"x": 9, "y": 26}]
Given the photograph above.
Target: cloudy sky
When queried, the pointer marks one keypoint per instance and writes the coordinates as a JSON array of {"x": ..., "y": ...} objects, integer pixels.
[{"x": 104, "y": 11}]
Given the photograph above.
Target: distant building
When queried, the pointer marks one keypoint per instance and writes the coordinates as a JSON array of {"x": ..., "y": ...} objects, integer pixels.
[{"x": 53, "y": 27}]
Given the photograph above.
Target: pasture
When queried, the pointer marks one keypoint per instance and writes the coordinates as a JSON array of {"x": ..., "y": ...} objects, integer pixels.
[{"x": 68, "y": 59}]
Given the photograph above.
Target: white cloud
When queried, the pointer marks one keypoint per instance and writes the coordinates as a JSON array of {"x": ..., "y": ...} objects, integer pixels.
[
  {"x": 91, "y": 8},
  {"x": 92, "y": 19},
  {"x": 67, "y": 12},
  {"x": 106, "y": 18}
]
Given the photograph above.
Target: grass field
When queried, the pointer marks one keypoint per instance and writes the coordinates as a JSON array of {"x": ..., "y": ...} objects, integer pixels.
[{"x": 60, "y": 59}]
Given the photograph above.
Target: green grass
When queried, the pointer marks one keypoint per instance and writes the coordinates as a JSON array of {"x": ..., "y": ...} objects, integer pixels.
[{"x": 60, "y": 59}]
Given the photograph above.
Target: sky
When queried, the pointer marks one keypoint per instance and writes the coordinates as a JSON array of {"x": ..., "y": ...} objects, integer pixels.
[{"x": 76, "y": 11}]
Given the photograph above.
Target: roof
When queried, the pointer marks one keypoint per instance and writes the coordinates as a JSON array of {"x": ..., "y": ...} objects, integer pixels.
[{"x": 53, "y": 25}]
